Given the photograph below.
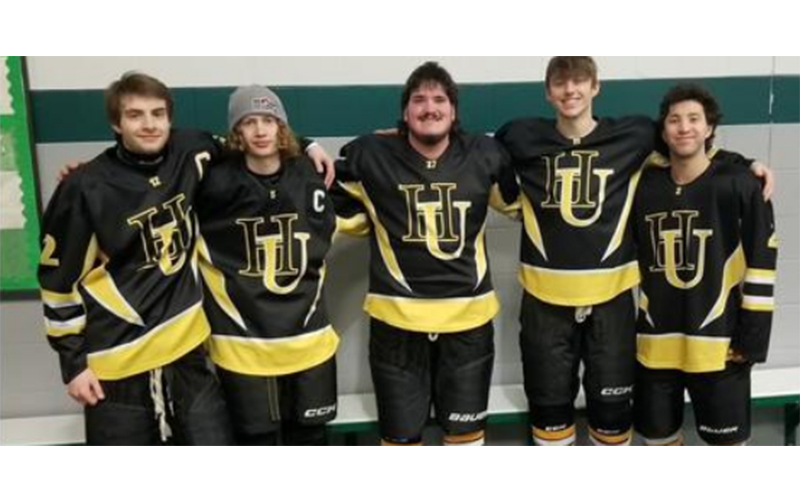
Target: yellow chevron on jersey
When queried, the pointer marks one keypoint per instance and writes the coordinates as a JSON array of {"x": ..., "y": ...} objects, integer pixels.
[
  {"x": 274, "y": 357},
  {"x": 679, "y": 351},
  {"x": 532, "y": 228},
  {"x": 732, "y": 276},
  {"x": 100, "y": 285},
  {"x": 433, "y": 315},
  {"x": 323, "y": 272},
  {"x": 357, "y": 225},
  {"x": 215, "y": 280},
  {"x": 158, "y": 347},
  {"x": 579, "y": 288},
  {"x": 622, "y": 225},
  {"x": 497, "y": 202},
  {"x": 481, "y": 262},
  {"x": 356, "y": 190},
  {"x": 644, "y": 307}
]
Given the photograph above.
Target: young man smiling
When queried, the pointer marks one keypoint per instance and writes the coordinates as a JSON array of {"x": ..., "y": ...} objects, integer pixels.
[
  {"x": 707, "y": 254},
  {"x": 425, "y": 194},
  {"x": 118, "y": 272},
  {"x": 267, "y": 224}
]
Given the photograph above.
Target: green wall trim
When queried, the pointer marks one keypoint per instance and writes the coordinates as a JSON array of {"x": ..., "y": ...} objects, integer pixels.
[{"x": 343, "y": 111}]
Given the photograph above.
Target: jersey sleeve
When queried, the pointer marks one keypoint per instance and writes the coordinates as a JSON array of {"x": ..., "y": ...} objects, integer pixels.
[
  {"x": 733, "y": 158},
  {"x": 505, "y": 193},
  {"x": 347, "y": 194},
  {"x": 760, "y": 245},
  {"x": 69, "y": 251}
]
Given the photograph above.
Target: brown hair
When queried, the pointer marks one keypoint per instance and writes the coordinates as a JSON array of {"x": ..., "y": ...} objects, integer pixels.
[
  {"x": 137, "y": 84},
  {"x": 430, "y": 73},
  {"x": 288, "y": 145},
  {"x": 571, "y": 67}
]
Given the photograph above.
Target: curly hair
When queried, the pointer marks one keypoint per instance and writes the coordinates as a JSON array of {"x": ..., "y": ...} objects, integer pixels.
[{"x": 288, "y": 145}]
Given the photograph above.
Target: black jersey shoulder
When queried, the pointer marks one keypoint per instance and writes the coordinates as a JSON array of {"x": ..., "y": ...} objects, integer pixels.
[
  {"x": 190, "y": 140},
  {"x": 736, "y": 168},
  {"x": 517, "y": 135}
]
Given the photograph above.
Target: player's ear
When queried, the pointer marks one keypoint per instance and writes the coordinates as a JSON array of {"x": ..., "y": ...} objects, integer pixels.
[{"x": 596, "y": 88}]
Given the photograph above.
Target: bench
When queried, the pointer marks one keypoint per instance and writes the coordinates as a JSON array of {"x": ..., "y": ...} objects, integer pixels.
[{"x": 357, "y": 413}]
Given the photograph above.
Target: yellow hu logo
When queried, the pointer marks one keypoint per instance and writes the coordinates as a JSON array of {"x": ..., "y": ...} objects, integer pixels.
[
  {"x": 674, "y": 248},
  {"x": 436, "y": 222},
  {"x": 273, "y": 257},
  {"x": 571, "y": 188},
  {"x": 165, "y": 243}
]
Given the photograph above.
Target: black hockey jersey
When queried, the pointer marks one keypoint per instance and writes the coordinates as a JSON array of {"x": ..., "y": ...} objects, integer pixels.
[
  {"x": 428, "y": 269},
  {"x": 576, "y": 201},
  {"x": 707, "y": 253},
  {"x": 118, "y": 269},
  {"x": 263, "y": 248}
]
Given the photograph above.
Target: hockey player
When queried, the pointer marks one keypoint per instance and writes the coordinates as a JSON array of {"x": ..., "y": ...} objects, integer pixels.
[
  {"x": 426, "y": 193},
  {"x": 707, "y": 254},
  {"x": 266, "y": 225},
  {"x": 123, "y": 303},
  {"x": 578, "y": 176}
]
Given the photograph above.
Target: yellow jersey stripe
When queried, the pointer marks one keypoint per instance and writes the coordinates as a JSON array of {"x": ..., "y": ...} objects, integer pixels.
[
  {"x": 678, "y": 351},
  {"x": 274, "y": 357},
  {"x": 579, "y": 288},
  {"x": 160, "y": 346},
  {"x": 433, "y": 315},
  {"x": 758, "y": 304},
  {"x": 72, "y": 326},
  {"x": 760, "y": 276}
]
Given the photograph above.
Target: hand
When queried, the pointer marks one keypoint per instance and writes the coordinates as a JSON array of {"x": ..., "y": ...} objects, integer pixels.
[
  {"x": 735, "y": 357},
  {"x": 323, "y": 162},
  {"x": 767, "y": 176},
  {"x": 68, "y": 170},
  {"x": 86, "y": 388}
]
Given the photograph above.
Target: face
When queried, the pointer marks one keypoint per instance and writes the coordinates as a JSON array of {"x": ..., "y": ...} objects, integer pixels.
[
  {"x": 144, "y": 124},
  {"x": 429, "y": 114},
  {"x": 686, "y": 129},
  {"x": 259, "y": 134},
  {"x": 572, "y": 96}
]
